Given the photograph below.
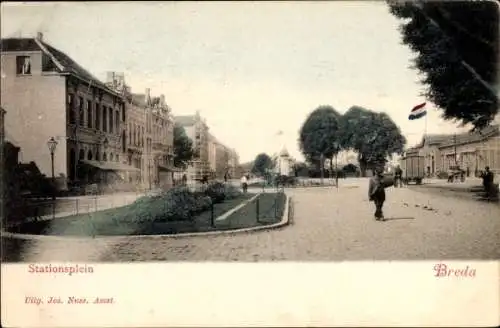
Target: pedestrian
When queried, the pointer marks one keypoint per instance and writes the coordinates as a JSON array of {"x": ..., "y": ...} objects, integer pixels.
[
  {"x": 398, "y": 176},
  {"x": 376, "y": 193},
  {"x": 244, "y": 183},
  {"x": 488, "y": 182}
]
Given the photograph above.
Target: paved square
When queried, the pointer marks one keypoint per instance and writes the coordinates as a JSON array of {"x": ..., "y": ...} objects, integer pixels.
[{"x": 328, "y": 225}]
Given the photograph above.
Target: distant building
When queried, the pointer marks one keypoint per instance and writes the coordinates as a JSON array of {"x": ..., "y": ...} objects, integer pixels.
[
  {"x": 469, "y": 151},
  {"x": 283, "y": 162},
  {"x": 47, "y": 94},
  {"x": 197, "y": 130}
]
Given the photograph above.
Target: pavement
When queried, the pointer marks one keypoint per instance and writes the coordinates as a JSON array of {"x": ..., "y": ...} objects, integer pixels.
[{"x": 329, "y": 224}]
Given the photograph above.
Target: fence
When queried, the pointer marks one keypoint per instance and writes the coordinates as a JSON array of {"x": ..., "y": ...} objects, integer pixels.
[{"x": 36, "y": 209}]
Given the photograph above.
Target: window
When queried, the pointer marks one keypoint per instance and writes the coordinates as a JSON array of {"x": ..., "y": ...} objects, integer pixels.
[
  {"x": 23, "y": 65},
  {"x": 104, "y": 119},
  {"x": 81, "y": 112},
  {"x": 89, "y": 155},
  {"x": 90, "y": 109},
  {"x": 104, "y": 157},
  {"x": 142, "y": 139},
  {"x": 97, "y": 116},
  {"x": 71, "y": 109},
  {"x": 111, "y": 157},
  {"x": 124, "y": 141},
  {"x": 110, "y": 119},
  {"x": 117, "y": 158},
  {"x": 123, "y": 113}
]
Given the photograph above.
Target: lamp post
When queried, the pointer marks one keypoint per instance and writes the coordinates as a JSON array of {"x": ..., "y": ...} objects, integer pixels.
[
  {"x": 52, "y": 144},
  {"x": 336, "y": 147}
]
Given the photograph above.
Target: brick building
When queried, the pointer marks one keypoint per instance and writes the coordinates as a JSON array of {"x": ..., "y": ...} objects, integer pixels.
[{"x": 47, "y": 94}]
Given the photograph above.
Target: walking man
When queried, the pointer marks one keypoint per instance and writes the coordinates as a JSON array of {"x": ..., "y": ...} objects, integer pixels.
[
  {"x": 244, "y": 183},
  {"x": 376, "y": 193}
]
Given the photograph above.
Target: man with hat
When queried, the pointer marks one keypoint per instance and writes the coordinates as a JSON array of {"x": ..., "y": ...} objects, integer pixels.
[{"x": 376, "y": 193}]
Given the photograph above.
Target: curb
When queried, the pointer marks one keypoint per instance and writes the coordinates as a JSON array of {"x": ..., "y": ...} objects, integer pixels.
[{"x": 284, "y": 221}]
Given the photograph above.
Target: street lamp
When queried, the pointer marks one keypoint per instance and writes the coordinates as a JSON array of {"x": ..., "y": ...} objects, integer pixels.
[
  {"x": 336, "y": 147},
  {"x": 52, "y": 144}
]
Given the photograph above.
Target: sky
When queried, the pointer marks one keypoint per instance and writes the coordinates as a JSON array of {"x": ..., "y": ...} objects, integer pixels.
[{"x": 251, "y": 68}]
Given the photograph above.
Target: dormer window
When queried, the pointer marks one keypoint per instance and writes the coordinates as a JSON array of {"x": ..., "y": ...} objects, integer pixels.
[{"x": 23, "y": 65}]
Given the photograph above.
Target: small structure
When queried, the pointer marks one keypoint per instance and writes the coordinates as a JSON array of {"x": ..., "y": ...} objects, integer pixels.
[{"x": 283, "y": 163}]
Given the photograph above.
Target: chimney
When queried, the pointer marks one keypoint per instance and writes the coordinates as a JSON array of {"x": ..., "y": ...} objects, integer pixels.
[
  {"x": 39, "y": 36},
  {"x": 162, "y": 100}
]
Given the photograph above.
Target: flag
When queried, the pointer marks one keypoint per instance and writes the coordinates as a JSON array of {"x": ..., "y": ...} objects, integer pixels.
[{"x": 418, "y": 112}]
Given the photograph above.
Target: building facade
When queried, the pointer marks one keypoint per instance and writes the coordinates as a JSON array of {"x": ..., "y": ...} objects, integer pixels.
[
  {"x": 161, "y": 126},
  {"x": 148, "y": 136},
  {"x": 470, "y": 152},
  {"x": 197, "y": 130},
  {"x": 49, "y": 95},
  {"x": 213, "y": 144}
]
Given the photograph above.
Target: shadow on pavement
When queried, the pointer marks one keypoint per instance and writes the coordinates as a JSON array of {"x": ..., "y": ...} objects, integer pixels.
[{"x": 393, "y": 219}]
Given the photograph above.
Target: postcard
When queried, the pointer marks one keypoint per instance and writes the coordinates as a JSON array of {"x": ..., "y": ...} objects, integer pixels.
[{"x": 281, "y": 163}]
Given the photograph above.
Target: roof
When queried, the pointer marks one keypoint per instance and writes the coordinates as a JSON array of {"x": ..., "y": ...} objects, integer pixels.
[
  {"x": 19, "y": 44},
  {"x": 186, "y": 120},
  {"x": 447, "y": 140},
  {"x": 68, "y": 64},
  {"x": 284, "y": 152}
]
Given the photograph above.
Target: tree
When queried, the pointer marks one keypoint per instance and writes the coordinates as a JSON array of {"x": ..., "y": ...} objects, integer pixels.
[
  {"x": 262, "y": 163},
  {"x": 374, "y": 136},
  {"x": 183, "y": 147},
  {"x": 456, "y": 43},
  {"x": 318, "y": 135},
  {"x": 300, "y": 169}
]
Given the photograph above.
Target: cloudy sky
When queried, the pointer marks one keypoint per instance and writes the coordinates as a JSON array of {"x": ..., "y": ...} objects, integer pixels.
[{"x": 250, "y": 68}]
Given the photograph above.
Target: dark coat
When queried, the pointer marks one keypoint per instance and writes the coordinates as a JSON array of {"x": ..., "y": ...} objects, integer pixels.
[{"x": 376, "y": 190}]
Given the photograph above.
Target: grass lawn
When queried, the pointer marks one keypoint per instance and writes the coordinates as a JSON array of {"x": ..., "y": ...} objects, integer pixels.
[
  {"x": 271, "y": 209},
  {"x": 118, "y": 221}
]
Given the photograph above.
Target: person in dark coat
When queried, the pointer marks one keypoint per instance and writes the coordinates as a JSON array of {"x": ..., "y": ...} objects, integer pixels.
[
  {"x": 376, "y": 193},
  {"x": 488, "y": 178}
]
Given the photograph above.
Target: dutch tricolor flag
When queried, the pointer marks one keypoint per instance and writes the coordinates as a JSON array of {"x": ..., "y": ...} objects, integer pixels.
[{"x": 418, "y": 112}]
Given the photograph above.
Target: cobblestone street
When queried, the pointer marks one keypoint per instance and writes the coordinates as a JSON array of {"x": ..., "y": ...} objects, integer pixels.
[{"x": 328, "y": 225}]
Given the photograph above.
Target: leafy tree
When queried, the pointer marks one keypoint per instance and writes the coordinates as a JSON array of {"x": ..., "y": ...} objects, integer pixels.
[
  {"x": 318, "y": 135},
  {"x": 374, "y": 136},
  {"x": 456, "y": 46},
  {"x": 183, "y": 147},
  {"x": 261, "y": 164},
  {"x": 300, "y": 169}
]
